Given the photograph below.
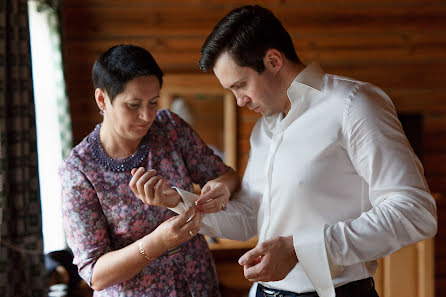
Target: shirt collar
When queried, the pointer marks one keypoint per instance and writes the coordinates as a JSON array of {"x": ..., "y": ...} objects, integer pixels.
[{"x": 310, "y": 78}]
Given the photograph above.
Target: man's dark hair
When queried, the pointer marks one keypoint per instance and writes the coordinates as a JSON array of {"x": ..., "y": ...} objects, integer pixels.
[
  {"x": 246, "y": 33},
  {"x": 120, "y": 64}
]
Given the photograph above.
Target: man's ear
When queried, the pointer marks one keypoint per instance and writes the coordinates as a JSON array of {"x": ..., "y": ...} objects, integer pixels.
[
  {"x": 100, "y": 97},
  {"x": 273, "y": 60}
]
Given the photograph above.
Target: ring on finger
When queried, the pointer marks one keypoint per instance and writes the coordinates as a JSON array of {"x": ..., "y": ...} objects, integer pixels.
[{"x": 223, "y": 206}]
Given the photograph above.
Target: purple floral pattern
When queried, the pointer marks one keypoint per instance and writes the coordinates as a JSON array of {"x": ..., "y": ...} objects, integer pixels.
[{"x": 102, "y": 214}]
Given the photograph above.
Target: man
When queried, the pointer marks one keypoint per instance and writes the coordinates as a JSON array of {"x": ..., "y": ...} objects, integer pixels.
[
  {"x": 336, "y": 182},
  {"x": 332, "y": 183}
]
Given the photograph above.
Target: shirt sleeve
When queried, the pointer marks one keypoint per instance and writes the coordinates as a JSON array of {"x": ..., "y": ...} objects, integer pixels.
[
  {"x": 403, "y": 210},
  {"x": 239, "y": 220},
  {"x": 201, "y": 162},
  {"x": 84, "y": 222}
]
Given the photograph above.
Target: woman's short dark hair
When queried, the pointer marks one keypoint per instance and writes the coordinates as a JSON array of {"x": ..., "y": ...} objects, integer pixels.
[
  {"x": 246, "y": 33},
  {"x": 120, "y": 64}
]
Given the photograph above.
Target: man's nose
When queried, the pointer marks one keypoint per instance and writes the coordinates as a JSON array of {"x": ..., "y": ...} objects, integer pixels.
[{"x": 242, "y": 100}]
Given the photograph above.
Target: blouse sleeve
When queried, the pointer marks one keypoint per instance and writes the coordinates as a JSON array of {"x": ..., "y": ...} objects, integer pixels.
[
  {"x": 84, "y": 222},
  {"x": 201, "y": 162}
]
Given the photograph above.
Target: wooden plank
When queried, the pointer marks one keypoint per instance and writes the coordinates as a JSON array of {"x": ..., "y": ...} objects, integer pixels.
[
  {"x": 230, "y": 130},
  {"x": 246, "y": 125},
  {"x": 362, "y": 64},
  {"x": 244, "y": 145},
  {"x": 283, "y": 3},
  {"x": 437, "y": 183},
  {"x": 143, "y": 21},
  {"x": 435, "y": 164},
  {"x": 435, "y": 122},
  {"x": 323, "y": 40},
  {"x": 242, "y": 162},
  {"x": 434, "y": 142},
  {"x": 423, "y": 100},
  {"x": 425, "y": 268},
  {"x": 170, "y": 3},
  {"x": 400, "y": 277}
]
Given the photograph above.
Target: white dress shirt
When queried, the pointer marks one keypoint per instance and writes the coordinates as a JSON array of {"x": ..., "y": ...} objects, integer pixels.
[{"x": 338, "y": 174}]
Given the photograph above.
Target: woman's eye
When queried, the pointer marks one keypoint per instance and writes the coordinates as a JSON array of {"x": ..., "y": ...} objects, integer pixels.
[{"x": 133, "y": 105}]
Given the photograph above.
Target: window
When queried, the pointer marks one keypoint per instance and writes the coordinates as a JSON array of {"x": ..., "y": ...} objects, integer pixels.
[{"x": 48, "y": 90}]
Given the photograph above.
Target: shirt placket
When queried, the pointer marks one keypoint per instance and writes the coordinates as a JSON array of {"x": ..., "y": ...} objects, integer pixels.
[{"x": 275, "y": 144}]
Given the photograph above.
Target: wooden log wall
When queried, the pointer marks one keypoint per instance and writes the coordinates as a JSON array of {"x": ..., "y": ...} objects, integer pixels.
[{"x": 399, "y": 45}]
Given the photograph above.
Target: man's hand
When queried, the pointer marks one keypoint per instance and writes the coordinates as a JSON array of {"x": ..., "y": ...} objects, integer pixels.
[
  {"x": 270, "y": 260},
  {"x": 214, "y": 197},
  {"x": 153, "y": 189}
]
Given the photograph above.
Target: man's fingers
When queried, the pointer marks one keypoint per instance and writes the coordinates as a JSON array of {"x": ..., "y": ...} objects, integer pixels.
[
  {"x": 252, "y": 273},
  {"x": 251, "y": 256}
]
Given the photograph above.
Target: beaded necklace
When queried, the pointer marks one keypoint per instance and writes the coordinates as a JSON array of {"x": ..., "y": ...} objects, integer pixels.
[{"x": 117, "y": 165}]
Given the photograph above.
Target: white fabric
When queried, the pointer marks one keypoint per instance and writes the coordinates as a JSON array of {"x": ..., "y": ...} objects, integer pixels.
[
  {"x": 188, "y": 200},
  {"x": 339, "y": 175}
]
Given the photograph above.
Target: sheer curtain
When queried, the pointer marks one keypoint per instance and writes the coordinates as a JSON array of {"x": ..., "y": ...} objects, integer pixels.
[
  {"x": 53, "y": 123},
  {"x": 22, "y": 271}
]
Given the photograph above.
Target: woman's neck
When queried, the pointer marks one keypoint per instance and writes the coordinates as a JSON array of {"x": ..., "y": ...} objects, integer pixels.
[{"x": 115, "y": 145}]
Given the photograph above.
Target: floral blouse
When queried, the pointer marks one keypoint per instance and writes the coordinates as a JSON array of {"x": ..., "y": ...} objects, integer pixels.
[{"x": 101, "y": 213}]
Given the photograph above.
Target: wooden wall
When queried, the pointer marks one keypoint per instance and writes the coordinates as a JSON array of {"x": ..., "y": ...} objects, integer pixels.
[{"x": 399, "y": 45}]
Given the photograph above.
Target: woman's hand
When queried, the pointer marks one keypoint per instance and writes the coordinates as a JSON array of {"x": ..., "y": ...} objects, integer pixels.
[
  {"x": 178, "y": 229},
  {"x": 214, "y": 197},
  {"x": 153, "y": 189}
]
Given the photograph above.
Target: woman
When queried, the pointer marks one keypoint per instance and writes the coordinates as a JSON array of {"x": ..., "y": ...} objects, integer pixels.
[{"x": 123, "y": 247}]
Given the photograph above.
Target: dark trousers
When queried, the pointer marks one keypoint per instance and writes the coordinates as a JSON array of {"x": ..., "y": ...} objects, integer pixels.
[{"x": 360, "y": 288}]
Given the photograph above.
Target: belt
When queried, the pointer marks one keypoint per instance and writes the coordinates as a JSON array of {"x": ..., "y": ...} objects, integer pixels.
[{"x": 357, "y": 288}]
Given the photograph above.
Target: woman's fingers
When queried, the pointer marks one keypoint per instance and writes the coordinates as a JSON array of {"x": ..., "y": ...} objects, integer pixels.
[
  {"x": 136, "y": 175},
  {"x": 149, "y": 189},
  {"x": 213, "y": 201},
  {"x": 190, "y": 222},
  {"x": 159, "y": 188},
  {"x": 180, "y": 228},
  {"x": 212, "y": 205}
]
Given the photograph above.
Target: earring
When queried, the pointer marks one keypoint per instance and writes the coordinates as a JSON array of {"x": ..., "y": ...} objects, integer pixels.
[{"x": 101, "y": 112}]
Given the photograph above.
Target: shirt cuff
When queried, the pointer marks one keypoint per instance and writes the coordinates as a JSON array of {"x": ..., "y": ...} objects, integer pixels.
[
  {"x": 312, "y": 255},
  {"x": 188, "y": 200}
]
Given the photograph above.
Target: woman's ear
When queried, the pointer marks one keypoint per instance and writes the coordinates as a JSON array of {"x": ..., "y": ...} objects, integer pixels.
[
  {"x": 100, "y": 96},
  {"x": 273, "y": 60}
]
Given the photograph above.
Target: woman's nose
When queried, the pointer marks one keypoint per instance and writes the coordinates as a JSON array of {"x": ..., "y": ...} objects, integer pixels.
[{"x": 146, "y": 114}]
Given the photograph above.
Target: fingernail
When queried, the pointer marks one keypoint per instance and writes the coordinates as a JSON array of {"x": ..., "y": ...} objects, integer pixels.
[
  {"x": 191, "y": 217},
  {"x": 241, "y": 261}
]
